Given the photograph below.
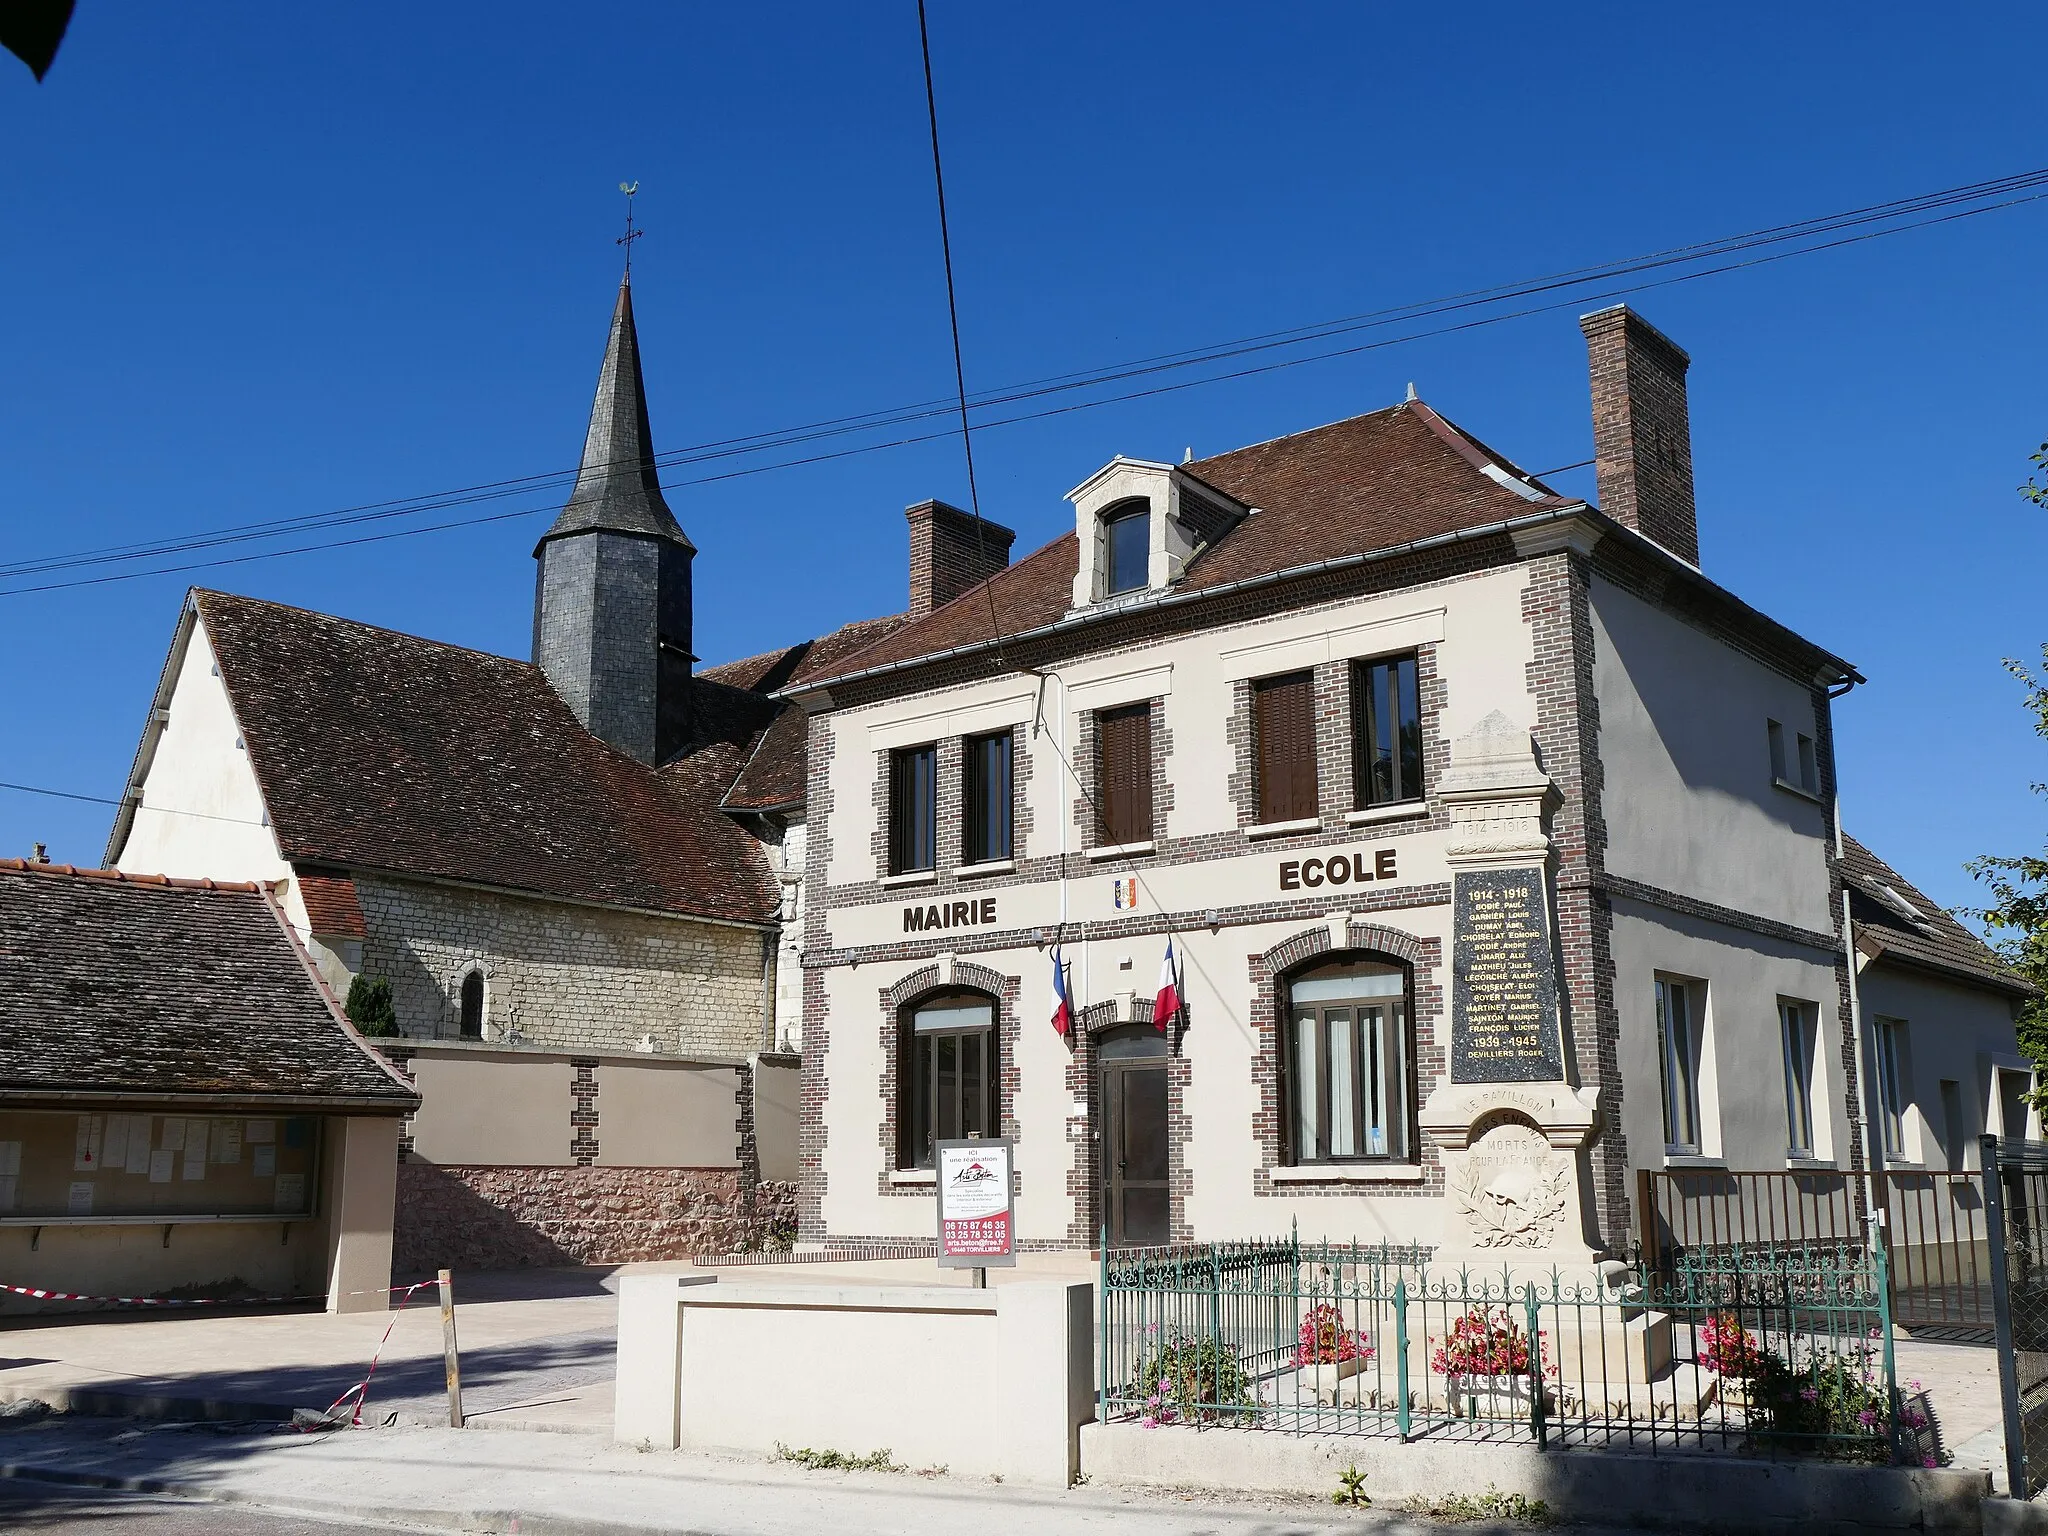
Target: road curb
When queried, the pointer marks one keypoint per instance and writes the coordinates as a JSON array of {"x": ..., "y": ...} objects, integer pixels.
[{"x": 511, "y": 1522}]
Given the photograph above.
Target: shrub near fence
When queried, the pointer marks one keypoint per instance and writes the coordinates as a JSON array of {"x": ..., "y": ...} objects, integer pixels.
[{"x": 1766, "y": 1350}]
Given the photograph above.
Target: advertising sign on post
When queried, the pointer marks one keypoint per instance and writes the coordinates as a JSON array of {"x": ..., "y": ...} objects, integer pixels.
[{"x": 977, "y": 1209}]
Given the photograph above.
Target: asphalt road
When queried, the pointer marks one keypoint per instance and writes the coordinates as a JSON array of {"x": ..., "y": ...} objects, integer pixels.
[{"x": 46, "y": 1509}]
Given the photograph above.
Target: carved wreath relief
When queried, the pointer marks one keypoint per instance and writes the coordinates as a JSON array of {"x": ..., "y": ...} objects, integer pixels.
[{"x": 1512, "y": 1188}]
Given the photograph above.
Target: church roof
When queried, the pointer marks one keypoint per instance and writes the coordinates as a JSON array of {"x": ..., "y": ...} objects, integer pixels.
[
  {"x": 776, "y": 766},
  {"x": 1895, "y": 921},
  {"x": 124, "y": 985},
  {"x": 381, "y": 751},
  {"x": 617, "y": 488}
]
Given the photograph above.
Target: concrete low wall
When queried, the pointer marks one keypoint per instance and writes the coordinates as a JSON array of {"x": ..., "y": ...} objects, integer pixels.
[
  {"x": 1673, "y": 1492},
  {"x": 983, "y": 1382}
]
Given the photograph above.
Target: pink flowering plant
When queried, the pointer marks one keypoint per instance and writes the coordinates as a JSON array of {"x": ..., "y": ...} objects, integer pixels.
[
  {"x": 1483, "y": 1342},
  {"x": 1727, "y": 1348},
  {"x": 1324, "y": 1339}
]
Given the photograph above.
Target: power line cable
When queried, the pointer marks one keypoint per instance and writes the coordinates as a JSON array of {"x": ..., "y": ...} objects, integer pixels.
[
  {"x": 496, "y": 490},
  {"x": 783, "y": 438},
  {"x": 931, "y": 102}
]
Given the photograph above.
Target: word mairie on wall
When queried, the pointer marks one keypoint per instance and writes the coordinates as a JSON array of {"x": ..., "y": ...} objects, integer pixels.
[{"x": 1504, "y": 1015}]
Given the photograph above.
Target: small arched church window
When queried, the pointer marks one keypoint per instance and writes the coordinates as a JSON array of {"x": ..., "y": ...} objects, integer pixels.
[
  {"x": 473, "y": 1006},
  {"x": 1127, "y": 541}
]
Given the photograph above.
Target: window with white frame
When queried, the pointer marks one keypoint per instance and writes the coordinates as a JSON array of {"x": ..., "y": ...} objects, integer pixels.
[
  {"x": 1891, "y": 1085},
  {"x": 1795, "y": 1036},
  {"x": 2015, "y": 1088},
  {"x": 1679, "y": 1022},
  {"x": 1347, "y": 1063}
]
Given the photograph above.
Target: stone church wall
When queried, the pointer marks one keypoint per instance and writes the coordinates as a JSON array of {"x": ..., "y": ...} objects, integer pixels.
[{"x": 570, "y": 977}]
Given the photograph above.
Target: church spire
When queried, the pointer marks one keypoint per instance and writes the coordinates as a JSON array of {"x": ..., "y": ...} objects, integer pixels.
[
  {"x": 612, "y": 602},
  {"x": 617, "y": 488}
]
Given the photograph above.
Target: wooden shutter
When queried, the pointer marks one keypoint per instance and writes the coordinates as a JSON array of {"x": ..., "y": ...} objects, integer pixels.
[
  {"x": 1285, "y": 728},
  {"x": 1124, "y": 783}
]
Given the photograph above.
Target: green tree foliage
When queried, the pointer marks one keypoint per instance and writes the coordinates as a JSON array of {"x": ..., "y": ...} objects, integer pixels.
[
  {"x": 369, "y": 1007},
  {"x": 2017, "y": 916}
]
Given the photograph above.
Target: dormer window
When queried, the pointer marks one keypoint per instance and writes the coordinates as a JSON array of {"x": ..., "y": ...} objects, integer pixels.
[
  {"x": 1138, "y": 526},
  {"x": 1127, "y": 541}
]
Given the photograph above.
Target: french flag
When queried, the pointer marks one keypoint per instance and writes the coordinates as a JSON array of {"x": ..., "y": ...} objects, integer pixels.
[
  {"x": 1062, "y": 1004},
  {"x": 1168, "y": 1003}
]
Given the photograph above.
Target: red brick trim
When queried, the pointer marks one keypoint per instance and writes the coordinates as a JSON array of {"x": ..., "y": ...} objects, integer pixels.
[{"x": 1427, "y": 1054}]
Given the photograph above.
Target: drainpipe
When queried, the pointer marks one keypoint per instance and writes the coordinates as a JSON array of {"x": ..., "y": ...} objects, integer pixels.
[
  {"x": 1873, "y": 1124},
  {"x": 1064, "y": 812}
]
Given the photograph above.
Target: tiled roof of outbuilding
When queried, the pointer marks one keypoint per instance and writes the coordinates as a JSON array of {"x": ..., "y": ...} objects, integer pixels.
[
  {"x": 1370, "y": 483},
  {"x": 1895, "y": 921},
  {"x": 377, "y": 750},
  {"x": 117, "y": 984}
]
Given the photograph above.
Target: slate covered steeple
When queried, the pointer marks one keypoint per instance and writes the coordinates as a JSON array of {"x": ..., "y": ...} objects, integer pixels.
[{"x": 611, "y": 613}]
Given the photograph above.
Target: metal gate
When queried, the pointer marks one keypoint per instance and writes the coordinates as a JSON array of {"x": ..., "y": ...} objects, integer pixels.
[
  {"x": 1932, "y": 1222},
  {"x": 2016, "y": 1211}
]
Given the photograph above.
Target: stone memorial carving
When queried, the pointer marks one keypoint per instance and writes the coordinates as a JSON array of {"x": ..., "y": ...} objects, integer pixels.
[{"x": 1509, "y": 1124}]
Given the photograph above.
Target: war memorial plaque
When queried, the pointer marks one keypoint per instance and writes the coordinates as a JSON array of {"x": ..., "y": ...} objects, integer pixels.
[{"x": 1504, "y": 1022}]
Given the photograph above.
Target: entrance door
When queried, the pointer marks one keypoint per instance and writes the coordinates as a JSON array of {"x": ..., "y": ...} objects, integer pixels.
[{"x": 1134, "y": 1183}]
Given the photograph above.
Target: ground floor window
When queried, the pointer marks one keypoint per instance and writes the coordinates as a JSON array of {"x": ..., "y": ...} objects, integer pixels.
[
  {"x": 947, "y": 1073},
  {"x": 1347, "y": 1062},
  {"x": 1678, "y": 1043},
  {"x": 1795, "y": 1032},
  {"x": 1891, "y": 1085}
]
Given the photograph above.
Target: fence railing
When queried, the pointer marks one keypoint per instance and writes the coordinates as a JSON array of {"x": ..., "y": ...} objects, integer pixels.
[
  {"x": 1786, "y": 1351},
  {"x": 1935, "y": 1238}
]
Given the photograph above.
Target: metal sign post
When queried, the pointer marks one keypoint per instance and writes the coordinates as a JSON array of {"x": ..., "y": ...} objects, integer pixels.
[{"x": 977, "y": 1205}]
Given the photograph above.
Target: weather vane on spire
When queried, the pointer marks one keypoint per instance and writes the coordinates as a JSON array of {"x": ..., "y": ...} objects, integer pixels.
[{"x": 631, "y": 234}]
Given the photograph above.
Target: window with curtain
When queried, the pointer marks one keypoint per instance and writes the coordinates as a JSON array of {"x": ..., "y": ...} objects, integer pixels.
[
  {"x": 471, "y": 1022},
  {"x": 1891, "y": 1084},
  {"x": 1123, "y": 780},
  {"x": 913, "y": 810},
  {"x": 946, "y": 1076},
  {"x": 986, "y": 798},
  {"x": 1678, "y": 1043},
  {"x": 1284, "y": 736},
  {"x": 1346, "y": 1060},
  {"x": 1126, "y": 547},
  {"x": 1386, "y": 732},
  {"x": 1795, "y": 1034}
]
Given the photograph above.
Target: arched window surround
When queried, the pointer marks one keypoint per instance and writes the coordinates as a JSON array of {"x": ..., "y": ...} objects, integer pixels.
[
  {"x": 1358, "y": 938},
  {"x": 898, "y": 1007}
]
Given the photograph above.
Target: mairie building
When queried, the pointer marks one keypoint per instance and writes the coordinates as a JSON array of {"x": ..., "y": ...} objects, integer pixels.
[{"x": 1496, "y": 843}]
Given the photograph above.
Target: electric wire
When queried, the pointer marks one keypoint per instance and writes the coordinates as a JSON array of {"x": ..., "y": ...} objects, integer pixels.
[{"x": 762, "y": 442}]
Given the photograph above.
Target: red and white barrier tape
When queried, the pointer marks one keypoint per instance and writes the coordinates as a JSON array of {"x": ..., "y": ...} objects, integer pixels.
[
  {"x": 361, "y": 1390},
  {"x": 198, "y": 1301}
]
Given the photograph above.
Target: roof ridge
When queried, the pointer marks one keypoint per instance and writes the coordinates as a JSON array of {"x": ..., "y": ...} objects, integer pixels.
[
  {"x": 1267, "y": 442},
  {"x": 128, "y": 877},
  {"x": 375, "y": 629}
]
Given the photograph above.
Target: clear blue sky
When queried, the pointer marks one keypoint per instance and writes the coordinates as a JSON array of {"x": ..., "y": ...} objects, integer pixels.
[{"x": 262, "y": 260}]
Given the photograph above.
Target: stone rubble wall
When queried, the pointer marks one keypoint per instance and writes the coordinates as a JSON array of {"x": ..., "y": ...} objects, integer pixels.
[
  {"x": 572, "y": 977},
  {"x": 510, "y": 1218}
]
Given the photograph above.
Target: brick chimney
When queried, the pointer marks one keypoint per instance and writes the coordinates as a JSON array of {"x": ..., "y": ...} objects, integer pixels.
[
  {"x": 1642, "y": 431},
  {"x": 948, "y": 554}
]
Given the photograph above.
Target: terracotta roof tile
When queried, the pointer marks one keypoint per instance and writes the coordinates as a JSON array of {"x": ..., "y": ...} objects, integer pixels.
[
  {"x": 1370, "y": 483},
  {"x": 1927, "y": 935},
  {"x": 123, "y": 986},
  {"x": 377, "y": 750}
]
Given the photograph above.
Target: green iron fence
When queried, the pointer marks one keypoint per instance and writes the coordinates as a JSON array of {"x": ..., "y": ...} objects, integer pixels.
[{"x": 1787, "y": 1351}]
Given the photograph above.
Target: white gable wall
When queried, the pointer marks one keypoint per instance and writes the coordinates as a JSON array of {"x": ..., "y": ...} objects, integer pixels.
[
  {"x": 1688, "y": 799},
  {"x": 202, "y": 813}
]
